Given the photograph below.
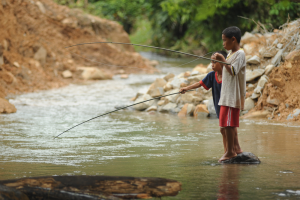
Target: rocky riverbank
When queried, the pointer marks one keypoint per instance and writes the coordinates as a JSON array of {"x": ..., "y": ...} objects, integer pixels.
[
  {"x": 272, "y": 76},
  {"x": 33, "y": 56}
]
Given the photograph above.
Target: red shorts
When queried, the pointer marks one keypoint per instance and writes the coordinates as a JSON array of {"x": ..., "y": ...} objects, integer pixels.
[{"x": 229, "y": 116}]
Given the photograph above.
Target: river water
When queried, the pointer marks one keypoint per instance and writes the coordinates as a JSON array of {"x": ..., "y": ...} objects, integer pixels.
[{"x": 131, "y": 143}]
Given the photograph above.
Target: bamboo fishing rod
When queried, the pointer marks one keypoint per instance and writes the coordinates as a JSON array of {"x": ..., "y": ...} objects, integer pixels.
[
  {"x": 118, "y": 110},
  {"x": 153, "y": 47}
]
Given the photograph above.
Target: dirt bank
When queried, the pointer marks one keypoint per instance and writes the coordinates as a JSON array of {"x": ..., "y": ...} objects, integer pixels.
[{"x": 33, "y": 35}]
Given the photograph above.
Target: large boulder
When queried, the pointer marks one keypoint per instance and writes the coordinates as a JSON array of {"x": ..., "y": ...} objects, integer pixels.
[
  {"x": 93, "y": 73},
  {"x": 191, "y": 97},
  {"x": 168, "y": 107},
  {"x": 200, "y": 109},
  {"x": 156, "y": 88},
  {"x": 172, "y": 98},
  {"x": 6, "y": 107},
  {"x": 176, "y": 82},
  {"x": 193, "y": 79},
  {"x": 186, "y": 110},
  {"x": 243, "y": 158}
]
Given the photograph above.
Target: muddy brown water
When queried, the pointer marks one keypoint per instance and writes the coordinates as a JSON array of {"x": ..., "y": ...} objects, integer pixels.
[{"x": 131, "y": 143}]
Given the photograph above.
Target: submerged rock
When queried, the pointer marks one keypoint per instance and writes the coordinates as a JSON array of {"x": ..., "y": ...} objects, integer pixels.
[{"x": 243, "y": 158}]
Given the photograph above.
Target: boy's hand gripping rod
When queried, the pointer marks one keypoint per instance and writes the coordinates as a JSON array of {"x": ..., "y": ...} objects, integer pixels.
[
  {"x": 117, "y": 110},
  {"x": 188, "y": 54}
]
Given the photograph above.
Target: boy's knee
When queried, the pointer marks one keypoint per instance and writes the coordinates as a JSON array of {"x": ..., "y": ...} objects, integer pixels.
[{"x": 222, "y": 130}]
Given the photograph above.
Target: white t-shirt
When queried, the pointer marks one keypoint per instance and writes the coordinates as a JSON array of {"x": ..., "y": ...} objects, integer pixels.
[{"x": 234, "y": 86}]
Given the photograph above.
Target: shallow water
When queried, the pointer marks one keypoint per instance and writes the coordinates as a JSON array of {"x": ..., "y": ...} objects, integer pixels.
[{"x": 131, "y": 143}]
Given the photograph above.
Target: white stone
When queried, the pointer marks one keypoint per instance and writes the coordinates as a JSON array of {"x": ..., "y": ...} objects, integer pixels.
[
  {"x": 248, "y": 37},
  {"x": 249, "y": 104},
  {"x": 67, "y": 74},
  {"x": 276, "y": 60},
  {"x": 279, "y": 46},
  {"x": 176, "y": 82},
  {"x": 172, "y": 98},
  {"x": 268, "y": 69},
  {"x": 151, "y": 108},
  {"x": 196, "y": 78},
  {"x": 261, "y": 84},
  {"x": 275, "y": 42},
  {"x": 255, "y": 95},
  {"x": 194, "y": 73},
  {"x": 169, "y": 76},
  {"x": 93, "y": 73},
  {"x": 156, "y": 88},
  {"x": 190, "y": 109},
  {"x": 168, "y": 107},
  {"x": 144, "y": 105},
  {"x": 251, "y": 75},
  {"x": 16, "y": 64},
  {"x": 254, "y": 60},
  {"x": 41, "y": 7},
  {"x": 211, "y": 107}
]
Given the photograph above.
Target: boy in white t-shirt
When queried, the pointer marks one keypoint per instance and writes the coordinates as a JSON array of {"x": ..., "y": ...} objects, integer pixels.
[{"x": 233, "y": 89}]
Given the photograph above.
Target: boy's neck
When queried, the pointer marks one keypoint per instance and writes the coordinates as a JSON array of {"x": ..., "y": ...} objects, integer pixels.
[
  {"x": 219, "y": 73},
  {"x": 235, "y": 48}
]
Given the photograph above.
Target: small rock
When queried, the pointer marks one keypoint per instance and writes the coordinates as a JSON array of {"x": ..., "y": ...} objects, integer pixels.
[
  {"x": 124, "y": 76},
  {"x": 243, "y": 158},
  {"x": 275, "y": 42},
  {"x": 251, "y": 75},
  {"x": 279, "y": 82},
  {"x": 279, "y": 46},
  {"x": 144, "y": 105},
  {"x": 168, "y": 87},
  {"x": 276, "y": 60},
  {"x": 201, "y": 108},
  {"x": 249, "y": 104},
  {"x": 16, "y": 64},
  {"x": 294, "y": 55},
  {"x": 169, "y": 76},
  {"x": 6, "y": 107},
  {"x": 5, "y": 45},
  {"x": 273, "y": 101},
  {"x": 261, "y": 84},
  {"x": 156, "y": 88},
  {"x": 269, "y": 53},
  {"x": 183, "y": 111},
  {"x": 211, "y": 107},
  {"x": 250, "y": 85},
  {"x": 176, "y": 82},
  {"x": 255, "y": 95},
  {"x": 172, "y": 98},
  {"x": 41, "y": 7},
  {"x": 93, "y": 73},
  {"x": 168, "y": 107},
  {"x": 198, "y": 78},
  {"x": 194, "y": 73},
  {"x": 295, "y": 113},
  {"x": 254, "y": 60},
  {"x": 154, "y": 63},
  {"x": 41, "y": 55},
  {"x": 151, "y": 108},
  {"x": 268, "y": 69},
  {"x": 67, "y": 74},
  {"x": 189, "y": 97},
  {"x": 201, "y": 69},
  {"x": 190, "y": 109},
  {"x": 248, "y": 37},
  {"x": 256, "y": 114}
]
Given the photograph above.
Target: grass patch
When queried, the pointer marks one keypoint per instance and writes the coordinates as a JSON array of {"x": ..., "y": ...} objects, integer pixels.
[{"x": 142, "y": 34}]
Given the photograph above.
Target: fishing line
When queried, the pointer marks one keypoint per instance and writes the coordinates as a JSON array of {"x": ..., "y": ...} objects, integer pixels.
[
  {"x": 119, "y": 109},
  {"x": 149, "y": 47}
]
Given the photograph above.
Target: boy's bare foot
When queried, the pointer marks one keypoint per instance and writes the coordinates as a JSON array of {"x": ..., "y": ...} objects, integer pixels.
[
  {"x": 238, "y": 150},
  {"x": 227, "y": 156}
]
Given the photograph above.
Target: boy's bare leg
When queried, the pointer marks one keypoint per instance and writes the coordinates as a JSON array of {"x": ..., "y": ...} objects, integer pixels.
[
  {"x": 230, "y": 153},
  {"x": 222, "y": 130},
  {"x": 237, "y": 147}
]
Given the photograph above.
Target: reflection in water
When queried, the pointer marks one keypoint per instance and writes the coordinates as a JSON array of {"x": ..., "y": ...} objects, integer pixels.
[{"x": 229, "y": 182}]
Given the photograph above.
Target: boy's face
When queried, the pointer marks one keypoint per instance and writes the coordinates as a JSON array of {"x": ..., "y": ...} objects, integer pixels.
[
  {"x": 216, "y": 66},
  {"x": 228, "y": 42}
]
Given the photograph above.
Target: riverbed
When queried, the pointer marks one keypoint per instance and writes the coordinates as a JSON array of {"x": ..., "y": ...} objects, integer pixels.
[{"x": 132, "y": 143}]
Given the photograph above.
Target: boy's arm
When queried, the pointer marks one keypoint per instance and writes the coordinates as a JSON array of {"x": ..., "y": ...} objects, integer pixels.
[
  {"x": 190, "y": 87},
  {"x": 221, "y": 58}
]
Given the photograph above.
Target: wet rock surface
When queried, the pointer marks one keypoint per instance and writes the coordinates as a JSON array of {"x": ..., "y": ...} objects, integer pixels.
[{"x": 243, "y": 158}]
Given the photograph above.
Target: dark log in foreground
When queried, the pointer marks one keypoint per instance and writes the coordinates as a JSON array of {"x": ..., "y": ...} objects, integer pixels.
[{"x": 92, "y": 187}]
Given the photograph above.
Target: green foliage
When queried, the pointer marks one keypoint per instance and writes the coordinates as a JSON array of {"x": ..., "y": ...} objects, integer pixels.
[{"x": 189, "y": 24}]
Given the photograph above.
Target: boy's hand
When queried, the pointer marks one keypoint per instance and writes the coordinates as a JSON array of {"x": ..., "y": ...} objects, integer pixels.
[
  {"x": 219, "y": 57},
  {"x": 183, "y": 90}
]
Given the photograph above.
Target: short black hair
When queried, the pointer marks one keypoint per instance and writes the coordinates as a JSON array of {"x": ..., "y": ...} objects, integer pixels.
[
  {"x": 221, "y": 52},
  {"x": 233, "y": 31}
]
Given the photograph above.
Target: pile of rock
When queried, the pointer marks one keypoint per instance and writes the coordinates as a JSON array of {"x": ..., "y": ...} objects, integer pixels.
[{"x": 264, "y": 52}]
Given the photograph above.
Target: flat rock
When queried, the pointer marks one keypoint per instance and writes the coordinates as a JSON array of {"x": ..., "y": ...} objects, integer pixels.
[
  {"x": 176, "y": 82},
  {"x": 254, "y": 60},
  {"x": 256, "y": 114},
  {"x": 169, "y": 76},
  {"x": 93, "y": 73},
  {"x": 268, "y": 69},
  {"x": 251, "y": 75},
  {"x": 243, "y": 158},
  {"x": 168, "y": 107},
  {"x": 276, "y": 60},
  {"x": 255, "y": 95},
  {"x": 144, "y": 105},
  {"x": 67, "y": 74}
]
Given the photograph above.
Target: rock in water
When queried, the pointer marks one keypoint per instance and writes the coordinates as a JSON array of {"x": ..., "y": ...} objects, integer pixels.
[{"x": 243, "y": 158}]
